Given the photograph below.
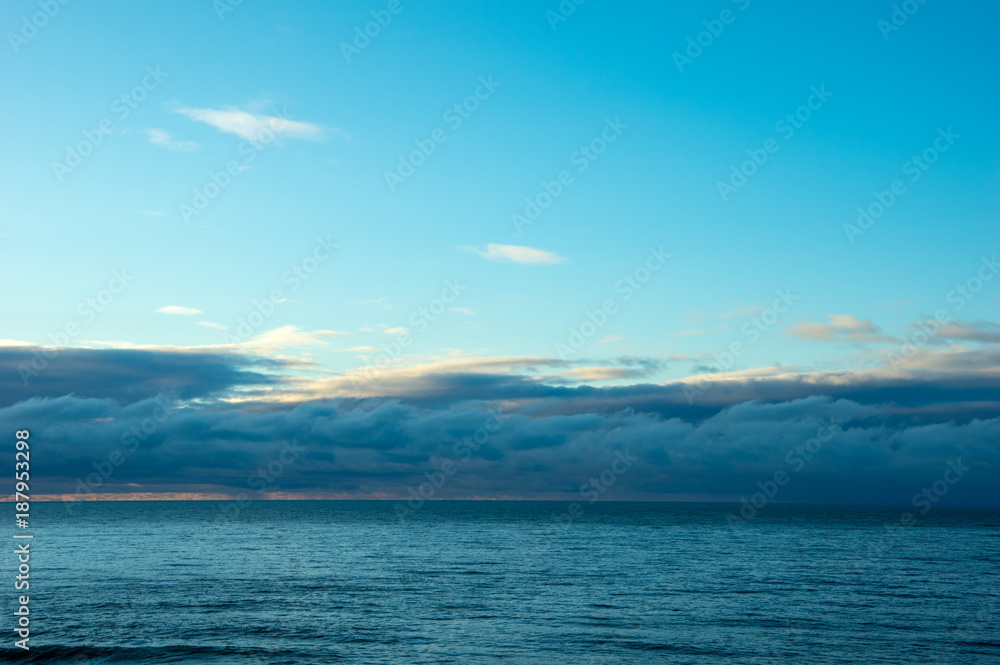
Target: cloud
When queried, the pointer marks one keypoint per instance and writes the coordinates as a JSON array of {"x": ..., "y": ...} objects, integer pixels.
[
  {"x": 210, "y": 324},
  {"x": 161, "y": 137},
  {"x": 516, "y": 254},
  {"x": 177, "y": 309},
  {"x": 704, "y": 331},
  {"x": 289, "y": 336},
  {"x": 398, "y": 330},
  {"x": 894, "y": 431},
  {"x": 842, "y": 327},
  {"x": 154, "y": 213},
  {"x": 252, "y": 126},
  {"x": 602, "y": 373},
  {"x": 971, "y": 376},
  {"x": 462, "y": 310},
  {"x": 129, "y": 374},
  {"x": 374, "y": 301},
  {"x": 381, "y": 448},
  {"x": 979, "y": 331}
]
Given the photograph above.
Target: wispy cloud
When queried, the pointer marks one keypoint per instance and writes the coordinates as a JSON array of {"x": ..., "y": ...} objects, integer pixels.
[
  {"x": 162, "y": 138},
  {"x": 374, "y": 301},
  {"x": 842, "y": 327},
  {"x": 290, "y": 336},
  {"x": 253, "y": 126},
  {"x": 701, "y": 331},
  {"x": 177, "y": 309},
  {"x": 979, "y": 331},
  {"x": 210, "y": 324},
  {"x": 516, "y": 254}
]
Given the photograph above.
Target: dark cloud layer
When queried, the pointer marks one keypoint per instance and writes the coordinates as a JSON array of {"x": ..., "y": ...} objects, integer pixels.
[
  {"x": 125, "y": 374},
  {"x": 506, "y": 436}
]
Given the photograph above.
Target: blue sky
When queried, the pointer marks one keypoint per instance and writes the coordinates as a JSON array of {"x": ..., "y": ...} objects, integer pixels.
[{"x": 343, "y": 122}]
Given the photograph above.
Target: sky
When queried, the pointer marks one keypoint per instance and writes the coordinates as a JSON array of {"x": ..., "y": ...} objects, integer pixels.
[{"x": 690, "y": 235}]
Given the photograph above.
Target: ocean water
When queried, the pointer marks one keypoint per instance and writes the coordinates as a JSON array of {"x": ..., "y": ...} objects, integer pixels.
[{"x": 512, "y": 582}]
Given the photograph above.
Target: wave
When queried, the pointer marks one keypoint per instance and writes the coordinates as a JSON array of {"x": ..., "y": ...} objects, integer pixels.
[{"x": 174, "y": 653}]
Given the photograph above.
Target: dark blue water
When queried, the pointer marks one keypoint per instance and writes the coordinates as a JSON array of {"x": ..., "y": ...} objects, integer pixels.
[{"x": 491, "y": 582}]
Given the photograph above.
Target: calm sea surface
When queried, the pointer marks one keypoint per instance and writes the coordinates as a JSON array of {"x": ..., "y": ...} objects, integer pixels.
[{"x": 491, "y": 582}]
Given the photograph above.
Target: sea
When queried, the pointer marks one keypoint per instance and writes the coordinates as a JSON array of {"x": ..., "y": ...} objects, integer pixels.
[{"x": 476, "y": 582}]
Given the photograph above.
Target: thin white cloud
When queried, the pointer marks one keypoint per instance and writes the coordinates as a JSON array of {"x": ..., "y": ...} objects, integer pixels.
[
  {"x": 154, "y": 213},
  {"x": 398, "y": 330},
  {"x": 270, "y": 343},
  {"x": 462, "y": 310},
  {"x": 851, "y": 323},
  {"x": 842, "y": 327},
  {"x": 979, "y": 331},
  {"x": 161, "y": 137},
  {"x": 177, "y": 309},
  {"x": 516, "y": 254},
  {"x": 253, "y": 126},
  {"x": 210, "y": 324},
  {"x": 599, "y": 373},
  {"x": 291, "y": 336}
]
